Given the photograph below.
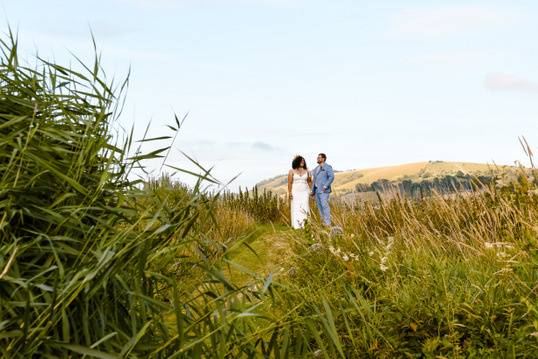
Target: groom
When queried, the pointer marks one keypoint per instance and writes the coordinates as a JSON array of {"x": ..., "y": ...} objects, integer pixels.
[{"x": 323, "y": 177}]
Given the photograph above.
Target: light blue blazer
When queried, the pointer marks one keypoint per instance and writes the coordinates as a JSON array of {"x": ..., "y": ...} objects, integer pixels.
[{"x": 322, "y": 178}]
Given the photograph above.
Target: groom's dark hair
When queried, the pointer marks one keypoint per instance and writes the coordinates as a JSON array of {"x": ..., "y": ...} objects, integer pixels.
[{"x": 323, "y": 155}]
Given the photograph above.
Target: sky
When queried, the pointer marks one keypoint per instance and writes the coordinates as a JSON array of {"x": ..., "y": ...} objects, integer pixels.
[{"x": 369, "y": 83}]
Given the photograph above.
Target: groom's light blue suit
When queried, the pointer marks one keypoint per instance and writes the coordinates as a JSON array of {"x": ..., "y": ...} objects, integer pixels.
[{"x": 322, "y": 178}]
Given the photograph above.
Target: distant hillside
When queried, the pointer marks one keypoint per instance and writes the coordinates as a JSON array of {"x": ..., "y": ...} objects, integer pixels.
[{"x": 361, "y": 180}]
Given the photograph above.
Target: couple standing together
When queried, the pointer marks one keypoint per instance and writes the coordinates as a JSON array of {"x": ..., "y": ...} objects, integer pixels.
[{"x": 302, "y": 184}]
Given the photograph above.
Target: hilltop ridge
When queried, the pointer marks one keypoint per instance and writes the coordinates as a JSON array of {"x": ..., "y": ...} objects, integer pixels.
[{"x": 347, "y": 181}]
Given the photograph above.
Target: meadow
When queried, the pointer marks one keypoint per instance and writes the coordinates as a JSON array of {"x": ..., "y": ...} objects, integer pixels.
[{"x": 94, "y": 263}]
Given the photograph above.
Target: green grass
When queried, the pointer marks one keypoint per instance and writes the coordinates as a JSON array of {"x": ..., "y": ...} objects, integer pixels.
[
  {"x": 262, "y": 253},
  {"x": 90, "y": 264},
  {"x": 441, "y": 277}
]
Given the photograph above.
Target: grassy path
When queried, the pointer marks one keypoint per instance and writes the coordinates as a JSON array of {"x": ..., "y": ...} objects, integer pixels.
[{"x": 269, "y": 249}]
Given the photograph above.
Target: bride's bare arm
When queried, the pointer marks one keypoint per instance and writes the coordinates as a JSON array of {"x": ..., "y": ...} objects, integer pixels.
[
  {"x": 290, "y": 181},
  {"x": 309, "y": 181}
]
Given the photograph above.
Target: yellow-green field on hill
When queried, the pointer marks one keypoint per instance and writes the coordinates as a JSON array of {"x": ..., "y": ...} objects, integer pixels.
[{"x": 345, "y": 181}]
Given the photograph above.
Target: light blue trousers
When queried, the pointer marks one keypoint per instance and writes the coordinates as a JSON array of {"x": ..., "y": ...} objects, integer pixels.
[{"x": 322, "y": 201}]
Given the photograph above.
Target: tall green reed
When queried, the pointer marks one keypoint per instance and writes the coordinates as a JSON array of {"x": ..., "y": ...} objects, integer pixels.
[{"x": 90, "y": 264}]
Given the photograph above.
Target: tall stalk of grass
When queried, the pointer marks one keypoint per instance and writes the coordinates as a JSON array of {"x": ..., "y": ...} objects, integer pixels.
[
  {"x": 81, "y": 254},
  {"x": 264, "y": 206}
]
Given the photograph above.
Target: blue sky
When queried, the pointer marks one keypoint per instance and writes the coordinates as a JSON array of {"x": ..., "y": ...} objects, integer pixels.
[{"x": 370, "y": 83}]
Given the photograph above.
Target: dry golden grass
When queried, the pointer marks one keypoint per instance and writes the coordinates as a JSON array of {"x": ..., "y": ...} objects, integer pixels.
[
  {"x": 346, "y": 181},
  {"x": 232, "y": 224}
]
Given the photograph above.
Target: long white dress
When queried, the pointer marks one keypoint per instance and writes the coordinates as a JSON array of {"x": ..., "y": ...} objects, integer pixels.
[{"x": 300, "y": 206}]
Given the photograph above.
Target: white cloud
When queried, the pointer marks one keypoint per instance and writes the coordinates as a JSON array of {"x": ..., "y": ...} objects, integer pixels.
[
  {"x": 504, "y": 82},
  {"x": 207, "y": 149},
  {"x": 262, "y": 146},
  {"x": 447, "y": 20}
]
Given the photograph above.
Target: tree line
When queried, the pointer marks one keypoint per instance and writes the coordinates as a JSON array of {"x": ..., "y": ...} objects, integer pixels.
[{"x": 447, "y": 184}]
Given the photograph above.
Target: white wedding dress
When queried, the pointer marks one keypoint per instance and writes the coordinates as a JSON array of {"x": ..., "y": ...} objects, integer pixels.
[{"x": 300, "y": 206}]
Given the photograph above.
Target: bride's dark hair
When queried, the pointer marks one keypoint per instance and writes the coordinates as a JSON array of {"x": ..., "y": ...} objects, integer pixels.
[{"x": 296, "y": 163}]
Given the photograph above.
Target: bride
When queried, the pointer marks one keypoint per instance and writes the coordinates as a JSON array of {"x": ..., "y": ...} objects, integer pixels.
[{"x": 299, "y": 187}]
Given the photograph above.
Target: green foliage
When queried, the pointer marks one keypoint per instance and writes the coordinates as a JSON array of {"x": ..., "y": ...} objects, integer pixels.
[
  {"x": 90, "y": 264},
  {"x": 448, "y": 184},
  {"x": 441, "y": 277}
]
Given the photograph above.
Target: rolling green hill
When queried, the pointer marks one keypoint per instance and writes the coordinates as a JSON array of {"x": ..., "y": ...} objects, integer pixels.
[{"x": 346, "y": 181}]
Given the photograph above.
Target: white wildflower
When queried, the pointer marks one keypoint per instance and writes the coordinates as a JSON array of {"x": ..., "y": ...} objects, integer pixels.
[
  {"x": 315, "y": 247},
  {"x": 383, "y": 263},
  {"x": 490, "y": 245},
  {"x": 390, "y": 243},
  {"x": 345, "y": 257}
]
